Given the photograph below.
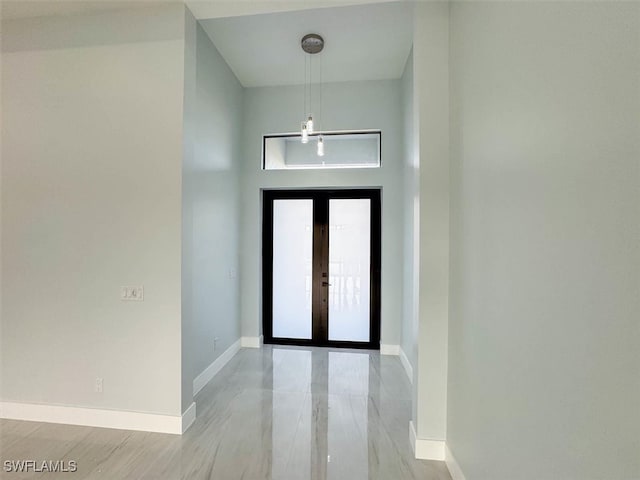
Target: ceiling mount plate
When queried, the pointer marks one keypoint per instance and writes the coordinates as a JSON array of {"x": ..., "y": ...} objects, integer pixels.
[{"x": 312, "y": 43}]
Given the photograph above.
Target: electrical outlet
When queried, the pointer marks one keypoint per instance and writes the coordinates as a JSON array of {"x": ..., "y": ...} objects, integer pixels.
[
  {"x": 99, "y": 385},
  {"x": 135, "y": 294}
]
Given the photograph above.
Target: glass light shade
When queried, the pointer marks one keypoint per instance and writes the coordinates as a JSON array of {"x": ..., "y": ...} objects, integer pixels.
[
  {"x": 320, "y": 147},
  {"x": 305, "y": 133},
  {"x": 310, "y": 124}
]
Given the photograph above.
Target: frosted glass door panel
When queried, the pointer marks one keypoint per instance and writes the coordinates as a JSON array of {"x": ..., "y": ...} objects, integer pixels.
[
  {"x": 349, "y": 269},
  {"x": 292, "y": 256}
]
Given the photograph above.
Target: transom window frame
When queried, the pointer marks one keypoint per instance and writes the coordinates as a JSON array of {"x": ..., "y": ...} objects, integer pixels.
[{"x": 314, "y": 135}]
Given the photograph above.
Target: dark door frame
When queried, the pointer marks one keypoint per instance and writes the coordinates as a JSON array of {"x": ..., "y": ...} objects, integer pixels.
[{"x": 320, "y": 243}]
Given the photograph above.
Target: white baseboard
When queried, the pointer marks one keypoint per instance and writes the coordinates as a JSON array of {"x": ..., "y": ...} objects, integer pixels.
[
  {"x": 406, "y": 364},
  {"x": 93, "y": 417},
  {"x": 425, "y": 449},
  {"x": 251, "y": 342},
  {"x": 452, "y": 465},
  {"x": 205, "y": 377},
  {"x": 387, "y": 349},
  {"x": 188, "y": 417}
]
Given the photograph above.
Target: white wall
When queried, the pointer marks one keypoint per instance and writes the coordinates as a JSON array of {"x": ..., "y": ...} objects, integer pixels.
[
  {"x": 544, "y": 360},
  {"x": 346, "y": 106},
  {"x": 410, "y": 212},
  {"x": 90, "y": 179},
  {"x": 431, "y": 144},
  {"x": 210, "y": 207}
]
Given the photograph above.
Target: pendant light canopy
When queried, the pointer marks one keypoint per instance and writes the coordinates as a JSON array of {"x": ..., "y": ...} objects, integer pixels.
[{"x": 312, "y": 43}]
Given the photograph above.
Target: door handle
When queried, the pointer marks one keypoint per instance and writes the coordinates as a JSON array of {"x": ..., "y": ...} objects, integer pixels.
[{"x": 326, "y": 284}]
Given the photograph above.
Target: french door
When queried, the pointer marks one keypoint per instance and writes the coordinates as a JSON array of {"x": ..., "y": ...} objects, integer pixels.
[{"x": 321, "y": 267}]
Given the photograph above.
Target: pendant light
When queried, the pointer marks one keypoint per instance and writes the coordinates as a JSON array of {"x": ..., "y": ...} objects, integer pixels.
[
  {"x": 312, "y": 44},
  {"x": 320, "y": 146}
]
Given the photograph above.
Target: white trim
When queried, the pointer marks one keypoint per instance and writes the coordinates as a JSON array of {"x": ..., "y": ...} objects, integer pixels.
[
  {"x": 251, "y": 342},
  {"x": 406, "y": 364},
  {"x": 387, "y": 349},
  {"x": 208, "y": 373},
  {"x": 188, "y": 417},
  {"x": 425, "y": 449},
  {"x": 452, "y": 465},
  {"x": 93, "y": 417},
  {"x": 412, "y": 436}
]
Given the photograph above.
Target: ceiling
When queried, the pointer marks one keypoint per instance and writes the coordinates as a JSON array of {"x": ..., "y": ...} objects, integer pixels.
[
  {"x": 362, "y": 42},
  {"x": 364, "y": 39}
]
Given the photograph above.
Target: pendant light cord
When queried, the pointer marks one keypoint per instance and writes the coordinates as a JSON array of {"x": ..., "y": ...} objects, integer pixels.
[
  {"x": 304, "y": 88},
  {"x": 309, "y": 112}
]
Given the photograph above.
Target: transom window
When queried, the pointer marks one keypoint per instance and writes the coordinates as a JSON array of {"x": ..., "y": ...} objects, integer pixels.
[{"x": 359, "y": 149}]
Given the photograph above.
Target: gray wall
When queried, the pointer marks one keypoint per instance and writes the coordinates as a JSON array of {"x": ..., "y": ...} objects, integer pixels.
[
  {"x": 544, "y": 359},
  {"x": 346, "y": 106},
  {"x": 431, "y": 141},
  {"x": 410, "y": 210},
  {"x": 90, "y": 202},
  {"x": 210, "y": 207}
]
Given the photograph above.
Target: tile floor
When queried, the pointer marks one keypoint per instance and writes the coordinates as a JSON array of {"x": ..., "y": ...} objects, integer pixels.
[{"x": 280, "y": 413}]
